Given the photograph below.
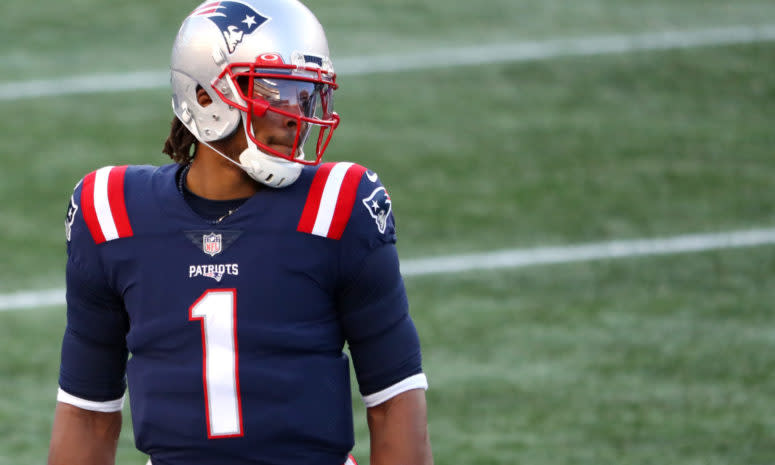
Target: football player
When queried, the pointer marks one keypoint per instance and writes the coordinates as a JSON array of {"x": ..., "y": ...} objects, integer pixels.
[{"x": 222, "y": 288}]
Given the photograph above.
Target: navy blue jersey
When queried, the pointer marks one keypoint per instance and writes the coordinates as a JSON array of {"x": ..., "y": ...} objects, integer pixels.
[{"x": 230, "y": 334}]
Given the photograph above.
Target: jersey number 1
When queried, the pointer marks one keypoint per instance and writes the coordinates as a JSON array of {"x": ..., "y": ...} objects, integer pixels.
[{"x": 216, "y": 310}]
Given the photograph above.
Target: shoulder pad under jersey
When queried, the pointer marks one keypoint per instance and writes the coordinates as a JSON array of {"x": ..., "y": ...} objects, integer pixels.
[
  {"x": 330, "y": 199},
  {"x": 103, "y": 205}
]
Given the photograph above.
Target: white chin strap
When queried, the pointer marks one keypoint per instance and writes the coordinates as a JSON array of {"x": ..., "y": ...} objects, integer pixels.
[{"x": 267, "y": 169}]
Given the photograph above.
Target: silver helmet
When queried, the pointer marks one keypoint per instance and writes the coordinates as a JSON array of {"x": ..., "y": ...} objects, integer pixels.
[{"x": 256, "y": 59}]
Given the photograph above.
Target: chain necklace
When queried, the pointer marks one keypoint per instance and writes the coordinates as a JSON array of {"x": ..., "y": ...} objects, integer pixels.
[
  {"x": 182, "y": 178},
  {"x": 186, "y": 193},
  {"x": 218, "y": 220}
]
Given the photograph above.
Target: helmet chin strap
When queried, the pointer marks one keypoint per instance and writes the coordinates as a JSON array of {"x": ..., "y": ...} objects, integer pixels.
[
  {"x": 267, "y": 169},
  {"x": 264, "y": 168}
]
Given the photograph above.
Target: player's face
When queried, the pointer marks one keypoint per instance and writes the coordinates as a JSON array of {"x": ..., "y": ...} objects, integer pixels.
[{"x": 278, "y": 129}]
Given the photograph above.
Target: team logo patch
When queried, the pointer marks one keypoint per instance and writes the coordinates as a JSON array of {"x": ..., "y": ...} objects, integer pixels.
[
  {"x": 234, "y": 19},
  {"x": 379, "y": 206},
  {"x": 212, "y": 244},
  {"x": 216, "y": 272},
  {"x": 70, "y": 218}
]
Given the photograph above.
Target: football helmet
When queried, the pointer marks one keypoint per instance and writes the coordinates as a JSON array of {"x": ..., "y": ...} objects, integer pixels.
[{"x": 259, "y": 60}]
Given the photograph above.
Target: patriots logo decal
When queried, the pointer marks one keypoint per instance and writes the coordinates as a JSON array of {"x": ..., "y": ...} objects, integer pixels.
[
  {"x": 235, "y": 20},
  {"x": 70, "y": 218},
  {"x": 379, "y": 206}
]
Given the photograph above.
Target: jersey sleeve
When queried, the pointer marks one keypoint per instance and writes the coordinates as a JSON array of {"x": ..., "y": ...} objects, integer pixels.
[
  {"x": 374, "y": 308},
  {"x": 94, "y": 352}
]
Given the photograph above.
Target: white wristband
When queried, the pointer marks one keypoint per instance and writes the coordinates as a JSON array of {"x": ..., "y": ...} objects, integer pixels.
[
  {"x": 418, "y": 381},
  {"x": 107, "y": 406}
]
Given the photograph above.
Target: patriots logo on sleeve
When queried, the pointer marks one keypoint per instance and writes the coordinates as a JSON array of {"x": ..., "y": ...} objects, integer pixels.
[
  {"x": 379, "y": 206},
  {"x": 70, "y": 218},
  {"x": 235, "y": 20}
]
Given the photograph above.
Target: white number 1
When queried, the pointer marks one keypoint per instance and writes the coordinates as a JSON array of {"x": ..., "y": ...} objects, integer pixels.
[{"x": 216, "y": 311}]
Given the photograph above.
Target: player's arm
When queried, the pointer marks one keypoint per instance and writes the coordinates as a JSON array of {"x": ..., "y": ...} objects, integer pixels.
[
  {"x": 85, "y": 437},
  {"x": 382, "y": 337},
  {"x": 399, "y": 430},
  {"x": 87, "y": 419},
  {"x": 386, "y": 354}
]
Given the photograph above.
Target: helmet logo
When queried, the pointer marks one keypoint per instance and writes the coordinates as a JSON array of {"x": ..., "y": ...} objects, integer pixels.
[{"x": 234, "y": 19}]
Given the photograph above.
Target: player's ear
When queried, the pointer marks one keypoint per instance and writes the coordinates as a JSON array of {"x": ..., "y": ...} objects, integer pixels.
[{"x": 203, "y": 97}]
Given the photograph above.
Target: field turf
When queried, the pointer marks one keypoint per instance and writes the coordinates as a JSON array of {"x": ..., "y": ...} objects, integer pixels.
[{"x": 650, "y": 360}]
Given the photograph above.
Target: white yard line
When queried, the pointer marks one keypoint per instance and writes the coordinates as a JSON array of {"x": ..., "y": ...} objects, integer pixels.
[
  {"x": 31, "y": 299},
  {"x": 518, "y": 258},
  {"x": 511, "y": 258},
  {"x": 499, "y": 52}
]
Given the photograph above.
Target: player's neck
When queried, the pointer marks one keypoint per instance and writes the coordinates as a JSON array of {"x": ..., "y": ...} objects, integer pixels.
[{"x": 215, "y": 178}]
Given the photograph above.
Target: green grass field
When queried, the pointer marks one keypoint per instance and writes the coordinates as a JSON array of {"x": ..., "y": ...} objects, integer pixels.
[{"x": 650, "y": 360}]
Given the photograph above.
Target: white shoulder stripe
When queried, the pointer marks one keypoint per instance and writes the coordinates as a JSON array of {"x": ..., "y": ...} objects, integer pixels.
[
  {"x": 329, "y": 198},
  {"x": 418, "y": 381},
  {"x": 102, "y": 204},
  {"x": 107, "y": 406}
]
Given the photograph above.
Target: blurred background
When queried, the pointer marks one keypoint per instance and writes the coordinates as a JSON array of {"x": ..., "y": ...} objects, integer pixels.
[{"x": 497, "y": 126}]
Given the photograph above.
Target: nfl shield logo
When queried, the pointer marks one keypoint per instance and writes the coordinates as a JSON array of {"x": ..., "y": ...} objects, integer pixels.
[{"x": 212, "y": 244}]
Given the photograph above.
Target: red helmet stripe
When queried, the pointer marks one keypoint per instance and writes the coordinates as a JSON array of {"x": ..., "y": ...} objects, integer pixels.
[{"x": 208, "y": 8}]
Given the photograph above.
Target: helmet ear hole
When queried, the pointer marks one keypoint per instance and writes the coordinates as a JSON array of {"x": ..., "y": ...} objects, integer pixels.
[
  {"x": 202, "y": 97},
  {"x": 189, "y": 99}
]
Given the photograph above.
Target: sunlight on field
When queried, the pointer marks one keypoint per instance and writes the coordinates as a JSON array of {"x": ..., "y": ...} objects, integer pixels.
[{"x": 638, "y": 361}]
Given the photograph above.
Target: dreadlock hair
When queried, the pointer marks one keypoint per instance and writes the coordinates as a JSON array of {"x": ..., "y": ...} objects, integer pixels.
[{"x": 181, "y": 144}]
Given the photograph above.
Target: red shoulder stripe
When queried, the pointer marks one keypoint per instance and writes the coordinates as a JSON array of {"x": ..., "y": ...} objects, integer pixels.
[
  {"x": 330, "y": 199},
  {"x": 87, "y": 207},
  {"x": 310, "y": 212},
  {"x": 117, "y": 202},
  {"x": 104, "y": 205},
  {"x": 346, "y": 200}
]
